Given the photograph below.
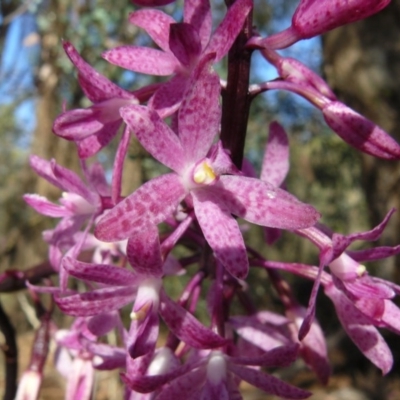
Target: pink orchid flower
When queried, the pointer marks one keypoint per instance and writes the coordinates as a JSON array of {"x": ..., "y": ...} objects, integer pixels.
[{"x": 201, "y": 174}]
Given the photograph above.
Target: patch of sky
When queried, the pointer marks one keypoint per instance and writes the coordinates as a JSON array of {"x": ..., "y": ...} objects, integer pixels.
[
  {"x": 19, "y": 56},
  {"x": 293, "y": 109}
]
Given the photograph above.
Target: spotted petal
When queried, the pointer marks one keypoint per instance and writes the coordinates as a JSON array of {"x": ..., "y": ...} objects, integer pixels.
[
  {"x": 152, "y": 203},
  {"x": 263, "y": 204}
]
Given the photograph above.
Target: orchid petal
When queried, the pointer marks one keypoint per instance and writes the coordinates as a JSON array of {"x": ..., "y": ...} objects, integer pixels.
[
  {"x": 264, "y": 336},
  {"x": 103, "y": 323},
  {"x": 144, "y": 253},
  {"x": 268, "y": 383},
  {"x": 91, "y": 145},
  {"x": 276, "y": 158},
  {"x": 365, "y": 336},
  {"x": 107, "y": 357},
  {"x": 226, "y": 33},
  {"x": 155, "y": 136},
  {"x": 101, "y": 273},
  {"x": 200, "y": 112},
  {"x": 186, "y": 327},
  {"x": 221, "y": 231},
  {"x": 142, "y": 59},
  {"x": 184, "y": 43},
  {"x": 77, "y": 124},
  {"x": 313, "y": 17},
  {"x": 96, "y": 87},
  {"x": 359, "y": 132},
  {"x": 185, "y": 386},
  {"x": 152, "y": 203},
  {"x": 198, "y": 14},
  {"x": 391, "y": 317},
  {"x": 119, "y": 165},
  {"x": 263, "y": 204},
  {"x": 73, "y": 183},
  {"x": 156, "y": 23},
  {"x": 46, "y": 207},
  {"x": 150, "y": 383},
  {"x": 341, "y": 242},
  {"x": 281, "y": 356},
  {"x": 377, "y": 253},
  {"x": 96, "y": 177},
  {"x": 168, "y": 98},
  {"x": 44, "y": 168},
  {"x": 143, "y": 335},
  {"x": 96, "y": 301}
]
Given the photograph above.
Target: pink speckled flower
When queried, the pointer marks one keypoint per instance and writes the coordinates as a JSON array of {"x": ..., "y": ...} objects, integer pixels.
[
  {"x": 315, "y": 17},
  {"x": 215, "y": 375},
  {"x": 182, "y": 46},
  {"x": 351, "y": 126},
  {"x": 92, "y": 128},
  {"x": 143, "y": 286},
  {"x": 201, "y": 170},
  {"x": 81, "y": 203}
]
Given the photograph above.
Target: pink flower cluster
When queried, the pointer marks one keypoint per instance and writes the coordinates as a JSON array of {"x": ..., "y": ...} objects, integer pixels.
[{"x": 199, "y": 202}]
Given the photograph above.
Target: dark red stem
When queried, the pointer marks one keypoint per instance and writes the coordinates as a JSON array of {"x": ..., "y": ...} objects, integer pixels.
[
  {"x": 10, "y": 356},
  {"x": 236, "y": 98}
]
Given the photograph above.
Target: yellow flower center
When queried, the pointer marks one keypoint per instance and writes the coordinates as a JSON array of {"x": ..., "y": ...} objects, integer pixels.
[{"x": 204, "y": 174}]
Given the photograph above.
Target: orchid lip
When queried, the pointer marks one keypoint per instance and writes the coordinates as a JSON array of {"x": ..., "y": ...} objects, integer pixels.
[
  {"x": 216, "y": 367},
  {"x": 202, "y": 174}
]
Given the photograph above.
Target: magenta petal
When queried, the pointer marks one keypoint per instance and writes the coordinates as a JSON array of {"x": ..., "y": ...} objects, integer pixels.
[
  {"x": 96, "y": 87},
  {"x": 198, "y": 14},
  {"x": 359, "y": 132},
  {"x": 341, "y": 242},
  {"x": 73, "y": 183},
  {"x": 167, "y": 99},
  {"x": 263, "y": 204},
  {"x": 107, "y": 357},
  {"x": 152, "y": 3},
  {"x": 91, "y": 145},
  {"x": 142, "y": 59},
  {"x": 281, "y": 356},
  {"x": 276, "y": 158},
  {"x": 200, "y": 112},
  {"x": 96, "y": 177},
  {"x": 227, "y": 31},
  {"x": 294, "y": 71},
  {"x": 143, "y": 252},
  {"x": 156, "y": 23},
  {"x": 46, "y": 207},
  {"x": 317, "y": 17},
  {"x": 100, "y": 273},
  {"x": 186, "y": 327},
  {"x": 119, "y": 165},
  {"x": 152, "y": 203},
  {"x": 184, "y": 43},
  {"x": 44, "y": 169},
  {"x": 95, "y": 302},
  {"x": 143, "y": 335},
  {"x": 155, "y": 136},
  {"x": 150, "y": 383},
  {"x": 313, "y": 348},
  {"x": 185, "y": 386},
  {"x": 77, "y": 124},
  {"x": 103, "y": 323},
  {"x": 268, "y": 383},
  {"x": 377, "y": 253},
  {"x": 391, "y": 317},
  {"x": 221, "y": 231},
  {"x": 365, "y": 336},
  {"x": 264, "y": 336}
]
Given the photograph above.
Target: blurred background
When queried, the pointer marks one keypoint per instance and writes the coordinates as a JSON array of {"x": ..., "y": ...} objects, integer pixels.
[{"x": 361, "y": 62}]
